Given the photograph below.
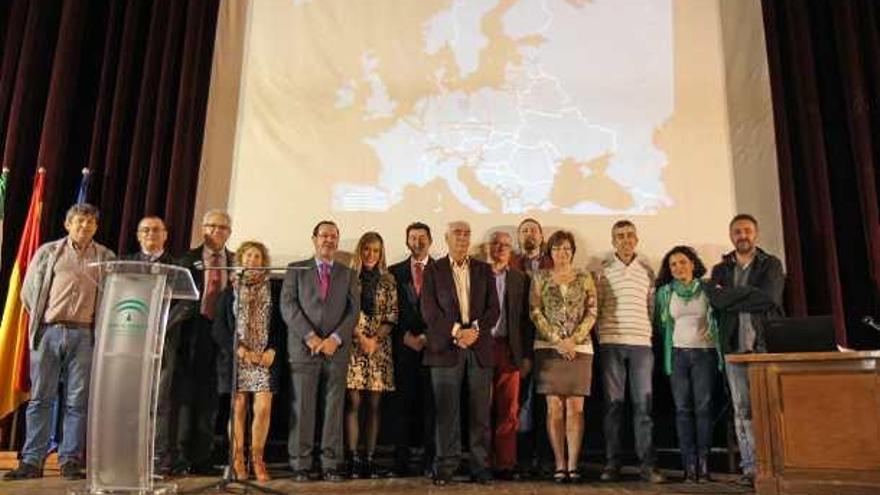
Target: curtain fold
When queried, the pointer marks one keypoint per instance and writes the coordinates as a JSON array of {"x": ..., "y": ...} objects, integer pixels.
[
  {"x": 119, "y": 87},
  {"x": 825, "y": 81}
]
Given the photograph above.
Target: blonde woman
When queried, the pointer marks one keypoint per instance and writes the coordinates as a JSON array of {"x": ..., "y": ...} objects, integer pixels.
[
  {"x": 244, "y": 310},
  {"x": 370, "y": 368},
  {"x": 563, "y": 308}
]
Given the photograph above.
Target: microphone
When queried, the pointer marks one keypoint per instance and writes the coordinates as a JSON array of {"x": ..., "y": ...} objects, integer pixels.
[
  {"x": 870, "y": 322},
  {"x": 200, "y": 266}
]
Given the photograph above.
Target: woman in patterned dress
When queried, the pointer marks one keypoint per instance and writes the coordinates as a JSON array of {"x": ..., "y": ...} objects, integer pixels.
[
  {"x": 370, "y": 369},
  {"x": 563, "y": 308},
  {"x": 245, "y": 310}
]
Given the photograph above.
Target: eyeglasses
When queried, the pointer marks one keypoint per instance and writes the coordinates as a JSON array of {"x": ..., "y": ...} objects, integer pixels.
[
  {"x": 560, "y": 248},
  {"x": 147, "y": 230},
  {"x": 214, "y": 226}
]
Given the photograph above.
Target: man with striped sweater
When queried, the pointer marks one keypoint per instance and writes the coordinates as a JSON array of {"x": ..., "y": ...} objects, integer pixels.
[{"x": 626, "y": 295}]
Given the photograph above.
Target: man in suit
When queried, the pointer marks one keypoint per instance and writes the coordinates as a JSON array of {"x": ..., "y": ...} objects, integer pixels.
[
  {"x": 152, "y": 236},
  {"x": 321, "y": 305},
  {"x": 531, "y": 256},
  {"x": 536, "y": 456},
  {"x": 195, "y": 375},
  {"x": 413, "y": 400},
  {"x": 513, "y": 337},
  {"x": 460, "y": 306}
]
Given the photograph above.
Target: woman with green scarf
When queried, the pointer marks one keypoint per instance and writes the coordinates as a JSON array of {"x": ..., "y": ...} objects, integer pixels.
[{"x": 691, "y": 356}]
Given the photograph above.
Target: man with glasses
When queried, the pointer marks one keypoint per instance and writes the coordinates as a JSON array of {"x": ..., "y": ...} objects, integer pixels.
[
  {"x": 152, "y": 236},
  {"x": 513, "y": 338},
  {"x": 196, "y": 374}
]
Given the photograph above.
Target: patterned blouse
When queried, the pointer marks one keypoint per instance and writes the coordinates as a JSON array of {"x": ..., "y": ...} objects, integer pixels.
[{"x": 560, "y": 311}]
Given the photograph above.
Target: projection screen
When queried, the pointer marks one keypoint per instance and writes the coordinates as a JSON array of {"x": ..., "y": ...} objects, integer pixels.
[{"x": 379, "y": 113}]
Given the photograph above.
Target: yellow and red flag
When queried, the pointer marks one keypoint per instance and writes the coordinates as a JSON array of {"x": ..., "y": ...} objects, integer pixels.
[{"x": 14, "y": 373}]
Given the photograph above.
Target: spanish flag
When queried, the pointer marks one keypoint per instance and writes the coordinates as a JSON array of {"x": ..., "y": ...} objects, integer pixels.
[{"x": 14, "y": 373}]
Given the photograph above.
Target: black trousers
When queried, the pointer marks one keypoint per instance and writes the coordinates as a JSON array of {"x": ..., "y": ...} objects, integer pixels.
[
  {"x": 447, "y": 383},
  {"x": 196, "y": 392},
  {"x": 411, "y": 407},
  {"x": 165, "y": 444}
]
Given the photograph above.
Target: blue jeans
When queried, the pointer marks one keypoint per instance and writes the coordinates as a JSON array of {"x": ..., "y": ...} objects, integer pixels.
[
  {"x": 692, "y": 380},
  {"x": 618, "y": 364},
  {"x": 738, "y": 382},
  {"x": 63, "y": 351}
]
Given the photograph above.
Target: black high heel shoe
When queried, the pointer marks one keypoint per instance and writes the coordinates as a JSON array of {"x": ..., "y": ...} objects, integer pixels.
[{"x": 560, "y": 476}]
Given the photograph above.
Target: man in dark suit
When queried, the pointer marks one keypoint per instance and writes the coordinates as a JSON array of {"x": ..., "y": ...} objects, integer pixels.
[
  {"x": 321, "y": 305},
  {"x": 513, "y": 338},
  {"x": 195, "y": 376},
  {"x": 460, "y": 306},
  {"x": 536, "y": 456},
  {"x": 413, "y": 399},
  {"x": 152, "y": 236}
]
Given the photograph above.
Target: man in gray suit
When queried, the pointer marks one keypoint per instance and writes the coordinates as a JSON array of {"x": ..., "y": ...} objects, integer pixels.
[{"x": 320, "y": 305}]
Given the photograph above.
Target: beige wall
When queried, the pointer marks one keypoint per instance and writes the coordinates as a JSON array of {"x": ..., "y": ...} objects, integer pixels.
[{"x": 750, "y": 115}]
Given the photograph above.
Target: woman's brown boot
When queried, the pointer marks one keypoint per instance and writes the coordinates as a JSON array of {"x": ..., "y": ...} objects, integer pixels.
[
  {"x": 260, "y": 467},
  {"x": 239, "y": 466}
]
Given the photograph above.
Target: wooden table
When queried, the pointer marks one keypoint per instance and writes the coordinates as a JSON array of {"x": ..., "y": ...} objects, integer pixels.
[{"x": 816, "y": 421}]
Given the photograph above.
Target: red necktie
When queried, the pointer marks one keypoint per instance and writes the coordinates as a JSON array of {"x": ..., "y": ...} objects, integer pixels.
[
  {"x": 418, "y": 274},
  {"x": 324, "y": 280},
  {"x": 212, "y": 287}
]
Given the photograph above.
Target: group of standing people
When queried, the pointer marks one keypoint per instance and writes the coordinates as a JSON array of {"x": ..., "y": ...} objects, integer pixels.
[{"x": 509, "y": 329}]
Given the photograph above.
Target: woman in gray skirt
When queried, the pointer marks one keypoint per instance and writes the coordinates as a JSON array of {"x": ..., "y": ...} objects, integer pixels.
[{"x": 563, "y": 307}]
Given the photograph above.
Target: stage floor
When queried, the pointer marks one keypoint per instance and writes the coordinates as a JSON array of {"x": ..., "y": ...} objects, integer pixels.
[{"x": 51, "y": 484}]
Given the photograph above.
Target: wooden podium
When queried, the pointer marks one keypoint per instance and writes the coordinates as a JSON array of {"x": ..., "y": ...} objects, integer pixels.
[{"x": 816, "y": 420}]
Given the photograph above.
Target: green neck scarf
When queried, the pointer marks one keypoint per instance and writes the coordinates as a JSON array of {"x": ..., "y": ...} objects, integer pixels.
[{"x": 663, "y": 298}]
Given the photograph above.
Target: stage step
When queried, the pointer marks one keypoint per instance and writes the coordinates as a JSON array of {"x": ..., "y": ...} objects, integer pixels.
[{"x": 9, "y": 460}]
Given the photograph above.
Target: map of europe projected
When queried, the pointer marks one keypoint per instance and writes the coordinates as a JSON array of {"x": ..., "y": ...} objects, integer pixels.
[{"x": 496, "y": 106}]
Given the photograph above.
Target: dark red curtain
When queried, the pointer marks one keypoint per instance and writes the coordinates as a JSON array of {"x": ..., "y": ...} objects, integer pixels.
[
  {"x": 824, "y": 59},
  {"x": 119, "y": 87}
]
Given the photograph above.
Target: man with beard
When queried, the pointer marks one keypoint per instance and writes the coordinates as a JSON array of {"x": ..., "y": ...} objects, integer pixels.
[
  {"x": 748, "y": 285},
  {"x": 413, "y": 401},
  {"x": 534, "y": 453},
  {"x": 531, "y": 257}
]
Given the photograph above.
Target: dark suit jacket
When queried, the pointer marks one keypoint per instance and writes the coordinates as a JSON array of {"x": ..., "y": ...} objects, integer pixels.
[
  {"x": 304, "y": 311},
  {"x": 410, "y": 314},
  {"x": 189, "y": 261},
  {"x": 440, "y": 310},
  {"x": 762, "y": 297},
  {"x": 180, "y": 309},
  {"x": 515, "y": 307},
  {"x": 519, "y": 262}
]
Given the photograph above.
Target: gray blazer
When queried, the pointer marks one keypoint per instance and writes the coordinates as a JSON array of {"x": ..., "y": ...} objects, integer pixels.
[
  {"x": 38, "y": 281},
  {"x": 304, "y": 312}
]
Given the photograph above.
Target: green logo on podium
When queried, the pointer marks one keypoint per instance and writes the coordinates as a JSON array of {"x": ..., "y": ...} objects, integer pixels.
[{"x": 129, "y": 316}]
